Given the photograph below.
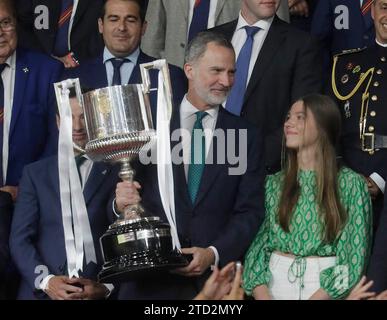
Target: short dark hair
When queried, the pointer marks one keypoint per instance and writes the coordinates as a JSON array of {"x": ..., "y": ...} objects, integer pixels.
[
  {"x": 142, "y": 4},
  {"x": 73, "y": 94},
  {"x": 198, "y": 45}
]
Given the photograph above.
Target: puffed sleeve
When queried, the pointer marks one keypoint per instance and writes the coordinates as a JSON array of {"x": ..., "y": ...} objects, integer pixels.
[
  {"x": 353, "y": 244},
  {"x": 256, "y": 266}
]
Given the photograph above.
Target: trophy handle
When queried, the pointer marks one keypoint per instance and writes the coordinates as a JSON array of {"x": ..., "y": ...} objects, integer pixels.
[
  {"x": 60, "y": 92},
  {"x": 161, "y": 65}
]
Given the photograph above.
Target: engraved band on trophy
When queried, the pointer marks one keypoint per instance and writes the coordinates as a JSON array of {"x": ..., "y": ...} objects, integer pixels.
[{"x": 119, "y": 125}]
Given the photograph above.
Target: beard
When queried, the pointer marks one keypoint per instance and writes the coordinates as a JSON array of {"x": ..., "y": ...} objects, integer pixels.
[{"x": 211, "y": 99}]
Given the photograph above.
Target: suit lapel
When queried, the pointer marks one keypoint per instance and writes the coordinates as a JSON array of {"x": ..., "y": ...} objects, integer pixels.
[
  {"x": 219, "y": 8},
  {"x": 99, "y": 75},
  {"x": 184, "y": 9},
  {"x": 135, "y": 77},
  {"x": 180, "y": 182},
  {"x": 21, "y": 78},
  {"x": 81, "y": 9},
  {"x": 229, "y": 29},
  {"x": 211, "y": 171},
  {"x": 274, "y": 38},
  {"x": 97, "y": 175}
]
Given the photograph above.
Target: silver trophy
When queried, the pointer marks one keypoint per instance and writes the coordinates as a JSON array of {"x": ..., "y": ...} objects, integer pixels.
[{"x": 119, "y": 125}]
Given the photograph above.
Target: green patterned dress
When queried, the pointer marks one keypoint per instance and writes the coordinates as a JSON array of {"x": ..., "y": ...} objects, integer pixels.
[{"x": 351, "y": 247}]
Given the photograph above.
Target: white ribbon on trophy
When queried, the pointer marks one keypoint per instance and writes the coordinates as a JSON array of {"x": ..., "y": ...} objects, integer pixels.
[
  {"x": 76, "y": 225},
  {"x": 164, "y": 162}
]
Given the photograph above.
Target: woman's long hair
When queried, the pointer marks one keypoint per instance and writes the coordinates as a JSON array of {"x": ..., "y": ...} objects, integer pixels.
[{"x": 328, "y": 123}]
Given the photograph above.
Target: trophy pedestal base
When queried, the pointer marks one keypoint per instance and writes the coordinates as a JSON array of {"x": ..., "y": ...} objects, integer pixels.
[
  {"x": 136, "y": 248},
  {"x": 135, "y": 267}
]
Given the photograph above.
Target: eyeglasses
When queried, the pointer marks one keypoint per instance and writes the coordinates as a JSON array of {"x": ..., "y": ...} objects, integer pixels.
[{"x": 7, "y": 25}]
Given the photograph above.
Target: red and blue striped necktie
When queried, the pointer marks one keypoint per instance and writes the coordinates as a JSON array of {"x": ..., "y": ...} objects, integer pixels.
[
  {"x": 366, "y": 6},
  {"x": 61, "y": 42},
  {"x": 200, "y": 18}
]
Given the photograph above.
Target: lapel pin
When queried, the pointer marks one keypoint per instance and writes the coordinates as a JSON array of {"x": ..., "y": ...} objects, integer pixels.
[
  {"x": 26, "y": 70},
  {"x": 104, "y": 172}
]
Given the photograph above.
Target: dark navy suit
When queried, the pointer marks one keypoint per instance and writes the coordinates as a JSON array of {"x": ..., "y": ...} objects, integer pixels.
[
  {"x": 33, "y": 131},
  {"x": 37, "y": 231},
  {"x": 6, "y": 205},
  {"x": 227, "y": 213},
  {"x": 377, "y": 270},
  {"x": 92, "y": 75}
]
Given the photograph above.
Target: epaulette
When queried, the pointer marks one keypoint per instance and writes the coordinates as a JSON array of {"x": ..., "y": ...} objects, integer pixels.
[{"x": 344, "y": 52}]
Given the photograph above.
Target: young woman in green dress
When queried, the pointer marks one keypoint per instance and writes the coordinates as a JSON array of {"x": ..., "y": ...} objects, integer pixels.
[{"x": 315, "y": 240}]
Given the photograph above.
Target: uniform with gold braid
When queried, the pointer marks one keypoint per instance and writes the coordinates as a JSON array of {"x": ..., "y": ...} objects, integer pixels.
[{"x": 359, "y": 83}]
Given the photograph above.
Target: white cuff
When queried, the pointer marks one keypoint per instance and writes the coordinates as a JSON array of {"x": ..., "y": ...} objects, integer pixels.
[
  {"x": 216, "y": 263},
  {"x": 114, "y": 208},
  {"x": 44, "y": 284},
  {"x": 379, "y": 181},
  {"x": 110, "y": 287}
]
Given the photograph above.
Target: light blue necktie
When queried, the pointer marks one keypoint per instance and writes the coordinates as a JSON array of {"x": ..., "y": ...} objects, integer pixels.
[
  {"x": 198, "y": 156},
  {"x": 236, "y": 97}
]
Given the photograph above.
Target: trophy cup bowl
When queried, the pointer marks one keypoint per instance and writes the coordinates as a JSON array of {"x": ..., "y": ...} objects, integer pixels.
[{"x": 119, "y": 125}]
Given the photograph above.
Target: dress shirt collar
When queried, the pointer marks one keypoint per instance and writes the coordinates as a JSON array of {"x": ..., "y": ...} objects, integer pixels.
[
  {"x": 381, "y": 44},
  {"x": 263, "y": 24},
  {"x": 133, "y": 57},
  {"x": 11, "y": 61}
]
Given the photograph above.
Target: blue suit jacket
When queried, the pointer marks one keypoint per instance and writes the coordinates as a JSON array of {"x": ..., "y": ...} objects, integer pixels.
[
  {"x": 33, "y": 131},
  {"x": 6, "y": 206},
  {"x": 37, "y": 231},
  {"x": 92, "y": 75},
  {"x": 360, "y": 34},
  {"x": 227, "y": 213}
]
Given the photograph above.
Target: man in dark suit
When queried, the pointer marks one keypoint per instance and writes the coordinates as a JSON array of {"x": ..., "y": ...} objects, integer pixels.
[
  {"x": 217, "y": 212},
  {"x": 37, "y": 241},
  {"x": 61, "y": 28},
  {"x": 6, "y": 206},
  {"x": 27, "y": 108},
  {"x": 122, "y": 25},
  {"x": 276, "y": 65}
]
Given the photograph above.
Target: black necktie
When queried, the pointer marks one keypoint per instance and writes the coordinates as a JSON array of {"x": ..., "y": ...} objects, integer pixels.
[
  {"x": 79, "y": 160},
  {"x": 2, "y": 66},
  {"x": 117, "y": 63}
]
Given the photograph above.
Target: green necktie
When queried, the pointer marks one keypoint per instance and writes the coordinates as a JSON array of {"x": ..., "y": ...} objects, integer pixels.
[{"x": 198, "y": 156}]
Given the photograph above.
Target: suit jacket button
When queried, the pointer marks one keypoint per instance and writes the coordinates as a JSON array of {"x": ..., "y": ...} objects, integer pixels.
[{"x": 182, "y": 45}]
